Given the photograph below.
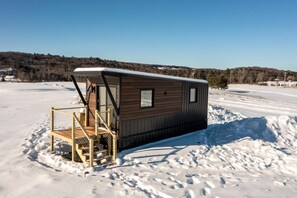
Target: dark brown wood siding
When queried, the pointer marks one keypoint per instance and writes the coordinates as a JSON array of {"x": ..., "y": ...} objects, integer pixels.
[
  {"x": 172, "y": 114},
  {"x": 91, "y": 94},
  {"x": 167, "y": 97}
]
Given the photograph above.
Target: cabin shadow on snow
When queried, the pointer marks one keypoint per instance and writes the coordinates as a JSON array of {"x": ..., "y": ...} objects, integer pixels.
[
  {"x": 216, "y": 134},
  {"x": 239, "y": 91}
]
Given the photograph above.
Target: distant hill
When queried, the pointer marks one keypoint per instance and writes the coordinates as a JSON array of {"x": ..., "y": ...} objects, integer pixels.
[{"x": 41, "y": 67}]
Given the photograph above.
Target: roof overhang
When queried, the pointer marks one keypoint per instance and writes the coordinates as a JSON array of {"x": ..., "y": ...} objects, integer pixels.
[{"x": 99, "y": 71}]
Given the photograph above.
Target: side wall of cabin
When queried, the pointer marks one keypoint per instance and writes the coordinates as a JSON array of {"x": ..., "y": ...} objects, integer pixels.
[{"x": 172, "y": 113}]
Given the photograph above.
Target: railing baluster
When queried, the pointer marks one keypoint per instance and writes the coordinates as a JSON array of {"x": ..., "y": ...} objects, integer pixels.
[
  {"x": 96, "y": 122},
  {"x": 86, "y": 115},
  {"x": 108, "y": 118},
  {"x": 73, "y": 137},
  {"x": 91, "y": 152},
  {"x": 52, "y": 129},
  {"x": 114, "y": 149}
]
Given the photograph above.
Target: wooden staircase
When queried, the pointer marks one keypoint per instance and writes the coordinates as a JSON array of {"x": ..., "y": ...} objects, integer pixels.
[{"x": 100, "y": 155}]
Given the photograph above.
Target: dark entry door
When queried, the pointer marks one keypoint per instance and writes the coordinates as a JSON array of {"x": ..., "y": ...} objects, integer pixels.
[{"x": 104, "y": 103}]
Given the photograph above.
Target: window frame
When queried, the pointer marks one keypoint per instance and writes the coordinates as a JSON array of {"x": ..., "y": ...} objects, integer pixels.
[
  {"x": 153, "y": 98},
  {"x": 195, "y": 88}
]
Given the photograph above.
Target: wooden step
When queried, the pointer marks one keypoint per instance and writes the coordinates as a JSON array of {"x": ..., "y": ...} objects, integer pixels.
[
  {"x": 95, "y": 152},
  {"x": 84, "y": 141},
  {"x": 98, "y": 146},
  {"x": 100, "y": 158}
]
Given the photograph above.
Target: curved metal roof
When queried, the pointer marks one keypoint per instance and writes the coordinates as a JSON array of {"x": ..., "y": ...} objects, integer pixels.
[{"x": 98, "y": 70}]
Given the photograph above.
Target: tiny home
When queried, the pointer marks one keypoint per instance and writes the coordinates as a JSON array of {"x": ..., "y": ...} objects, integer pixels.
[{"x": 125, "y": 109}]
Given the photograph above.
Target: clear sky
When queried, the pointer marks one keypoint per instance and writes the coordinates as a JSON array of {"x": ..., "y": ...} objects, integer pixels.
[{"x": 216, "y": 34}]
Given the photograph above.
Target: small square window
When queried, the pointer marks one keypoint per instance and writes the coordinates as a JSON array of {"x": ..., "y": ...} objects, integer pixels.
[
  {"x": 193, "y": 95},
  {"x": 146, "y": 98}
]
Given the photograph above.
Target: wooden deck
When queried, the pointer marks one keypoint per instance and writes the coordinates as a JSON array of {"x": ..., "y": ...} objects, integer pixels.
[{"x": 66, "y": 134}]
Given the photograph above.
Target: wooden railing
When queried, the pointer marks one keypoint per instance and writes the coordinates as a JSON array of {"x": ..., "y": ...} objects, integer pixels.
[
  {"x": 74, "y": 119},
  {"x": 112, "y": 138},
  {"x": 107, "y": 126},
  {"x": 90, "y": 140}
]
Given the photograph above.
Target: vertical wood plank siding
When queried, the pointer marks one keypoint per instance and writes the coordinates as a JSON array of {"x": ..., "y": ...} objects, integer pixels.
[
  {"x": 171, "y": 115},
  {"x": 91, "y": 94}
]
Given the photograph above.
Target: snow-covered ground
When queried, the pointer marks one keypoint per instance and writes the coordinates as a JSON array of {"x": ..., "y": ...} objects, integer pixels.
[{"x": 248, "y": 150}]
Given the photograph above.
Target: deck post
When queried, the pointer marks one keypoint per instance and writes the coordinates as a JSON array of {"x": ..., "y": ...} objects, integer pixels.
[
  {"x": 109, "y": 138},
  {"x": 114, "y": 149},
  {"x": 52, "y": 143},
  {"x": 73, "y": 137},
  {"x": 52, "y": 129},
  {"x": 108, "y": 118},
  {"x": 96, "y": 122},
  {"x": 86, "y": 115},
  {"x": 91, "y": 146}
]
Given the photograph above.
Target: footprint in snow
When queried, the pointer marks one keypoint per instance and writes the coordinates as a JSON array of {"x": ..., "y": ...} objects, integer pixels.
[
  {"x": 205, "y": 191},
  {"x": 189, "y": 194},
  {"x": 210, "y": 184},
  {"x": 193, "y": 180},
  {"x": 278, "y": 183},
  {"x": 222, "y": 181},
  {"x": 177, "y": 185}
]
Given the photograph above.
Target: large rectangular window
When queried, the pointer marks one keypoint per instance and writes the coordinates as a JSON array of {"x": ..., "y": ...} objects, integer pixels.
[
  {"x": 146, "y": 98},
  {"x": 193, "y": 95}
]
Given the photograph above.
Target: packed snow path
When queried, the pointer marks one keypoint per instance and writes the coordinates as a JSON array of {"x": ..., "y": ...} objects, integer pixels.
[{"x": 238, "y": 155}]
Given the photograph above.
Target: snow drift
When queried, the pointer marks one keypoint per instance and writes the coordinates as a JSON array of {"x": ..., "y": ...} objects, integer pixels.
[{"x": 237, "y": 143}]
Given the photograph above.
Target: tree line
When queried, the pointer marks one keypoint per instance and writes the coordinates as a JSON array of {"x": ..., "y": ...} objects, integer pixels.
[{"x": 47, "y": 67}]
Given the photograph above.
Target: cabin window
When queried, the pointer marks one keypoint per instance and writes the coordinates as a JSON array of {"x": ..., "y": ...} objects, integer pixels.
[
  {"x": 193, "y": 95},
  {"x": 146, "y": 98}
]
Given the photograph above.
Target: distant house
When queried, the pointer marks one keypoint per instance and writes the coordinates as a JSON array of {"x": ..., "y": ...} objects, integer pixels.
[
  {"x": 125, "y": 109},
  {"x": 279, "y": 83},
  {"x": 10, "y": 78}
]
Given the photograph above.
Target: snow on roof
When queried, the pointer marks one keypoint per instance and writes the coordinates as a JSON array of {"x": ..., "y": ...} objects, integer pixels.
[{"x": 125, "y": 71}]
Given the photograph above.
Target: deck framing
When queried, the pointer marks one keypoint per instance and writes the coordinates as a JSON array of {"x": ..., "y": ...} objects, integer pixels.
[{"x": 66, "y": 134}]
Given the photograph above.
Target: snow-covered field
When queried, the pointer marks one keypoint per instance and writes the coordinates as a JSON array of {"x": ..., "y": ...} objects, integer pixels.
[{"x": 248, "y": 150}]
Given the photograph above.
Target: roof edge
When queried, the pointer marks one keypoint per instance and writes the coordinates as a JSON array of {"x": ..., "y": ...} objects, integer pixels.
[{"x": 98, "y": 70}]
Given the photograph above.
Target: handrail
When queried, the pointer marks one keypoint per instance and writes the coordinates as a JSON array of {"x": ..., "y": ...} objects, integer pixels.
[
  {"x": 68, "y": 108},
  {"x": 62, "y": 112},
  {"x": 103, "y": 111},
  {"x": 107, "y": 126},
  {"x": 90, "y": 140},
  {"x": 82, "y": 128}
]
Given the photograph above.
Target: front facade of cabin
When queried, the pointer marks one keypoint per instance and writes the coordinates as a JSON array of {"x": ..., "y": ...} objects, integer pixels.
[
  {"x": 142, "y": 107},
  {"x": 168, "y": 113}
]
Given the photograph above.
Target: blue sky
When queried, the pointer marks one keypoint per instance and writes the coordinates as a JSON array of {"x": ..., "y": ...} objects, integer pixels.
[{"x": 215, "y": 34}]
